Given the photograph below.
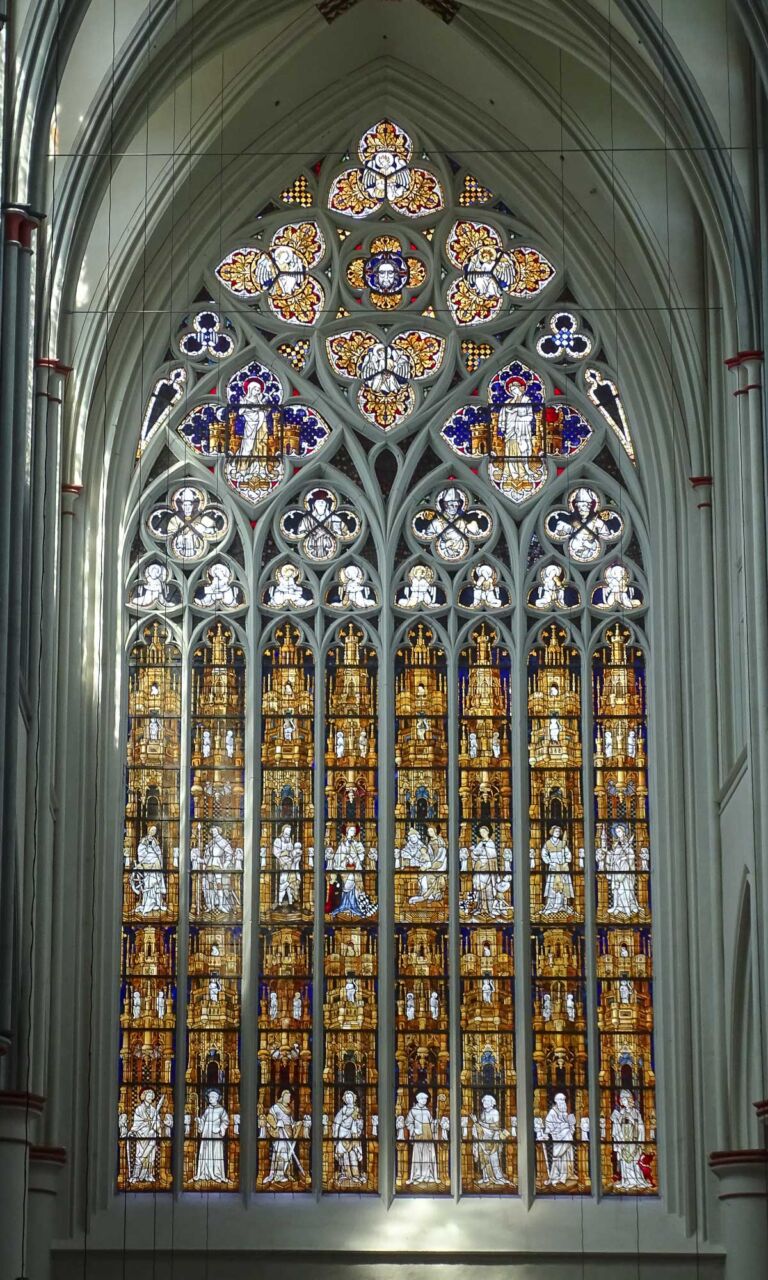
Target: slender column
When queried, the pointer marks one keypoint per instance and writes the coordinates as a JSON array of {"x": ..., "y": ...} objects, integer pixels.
[
  {"x": 746, "y": 366},
  {"x": 43, "y": 604},
  {"x": 13, "y": 832},
  {"x": 61, "y": 897},
  {"x": 17, "y": 236},
  {"x": 17, "y": 1113},
  {"x": 743, "y": 1178},
  {"x": 45, "y": 1167}
]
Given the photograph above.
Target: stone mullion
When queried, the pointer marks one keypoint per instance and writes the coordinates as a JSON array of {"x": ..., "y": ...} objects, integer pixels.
[
  {"x": 590, "y": 903},
  {"x": 183, "y": 921},
  {"x": 386, "y": 950},
  {"x": 455, "y": 1036},
  {"x": 521, "y": 828},
  {"x": 322, "y": 633},
  {"x": 249, "y": 996}
]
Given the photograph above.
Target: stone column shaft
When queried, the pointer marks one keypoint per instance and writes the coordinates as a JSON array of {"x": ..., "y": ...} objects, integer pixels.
[
  {"x": 743, "y": 1178},
  {"x": 18, "y": 1113},
  {"x": 45, "y": 1168}
]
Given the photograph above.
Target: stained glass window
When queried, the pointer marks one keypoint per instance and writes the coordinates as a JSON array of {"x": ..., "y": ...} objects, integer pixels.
[
  {"x": 488, "y": 1093},
  {"x": 624, "y": 946},
  {"x": 217, "y": 793},
  {"x": 148, "y": 995},
  {"x": 385, "y": 606},
  {"x": 350, "y": 999},
  {"x": 557, "y": 906},
  {"x": 422, "y": 1050},
  {"x": 286, "y": 912}
]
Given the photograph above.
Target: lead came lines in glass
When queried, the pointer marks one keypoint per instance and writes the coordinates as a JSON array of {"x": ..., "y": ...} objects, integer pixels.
[
  {"x": 286, "y": 907},
  {"x": 422, "y": 1054},
  {"x": 350, "y": 1004},
  {"x": 217, "y": 791},
  {"x": 150, "y": 913},
  {"x": 488, "y": 1082}
]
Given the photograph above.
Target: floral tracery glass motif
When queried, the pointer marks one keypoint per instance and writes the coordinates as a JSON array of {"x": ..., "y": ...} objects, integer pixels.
[{"x": 336, "y": 543}]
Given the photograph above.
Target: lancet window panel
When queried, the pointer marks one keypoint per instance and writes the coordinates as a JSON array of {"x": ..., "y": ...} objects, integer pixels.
[
  {"x": 624, "y": 944},
  {"x": 487, "y": 1016},
  {"x": 217, "y": 839},
  {"x": 421, "y": 907},
  {"x": 561, "y": 1117},
  {"x": 150, "y": 907},
  {"x": 286, "y": 913},
  {"x": 351, "y": 935}
]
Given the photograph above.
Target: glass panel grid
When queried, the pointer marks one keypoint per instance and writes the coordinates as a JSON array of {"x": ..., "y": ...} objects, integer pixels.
[
  {"x": 488, "y": 1080},
  {"x": 217, "y": 790},
  {"x": 422, "y": 1054},
  {"x": 150, "y": 914},
  {"x": 350, "y": 1002},
  {"x": 624, "y": 947},
  {"x": 559, "y": 1007},
  {"x": 286, "y": 915}
]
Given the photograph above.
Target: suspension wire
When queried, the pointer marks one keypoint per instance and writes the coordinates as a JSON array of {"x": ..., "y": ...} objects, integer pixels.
[
  {"x": 620, "y": 494},
  {"x": 181, "y": 856},
  {"x": 101, "y": 524},
  {"x": 563, "y": 253},
  {"x": 740, "y": 413}
]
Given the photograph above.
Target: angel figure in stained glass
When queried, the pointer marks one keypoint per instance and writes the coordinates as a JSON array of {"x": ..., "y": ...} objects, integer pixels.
[
  {"x": 618, "y": 862},
  {"x": 488, "y": 1134},
  {"x": 583, "y": 527},
  {"x": 147, "y": 878},
  {"x": 386, "y": 371},
  {"x": 347, "y": 1132},
  {"x": 220, "y": 589},
  {"x": 146, "y": 1128},
  {"x": 554, "y": 591},
  {"x": 422, "y": 1131},
  {"x": 155, "y": 588},
  {"x": 452, "y": 526},
  {"x": 352, "y": 592},
  {"x": 288, "y": 591},
  {"x": 628, "y": 1134},
  {"x": 558, "y": 886},
  {"x": 489, "y": 271},
  {"x": 212, "y": 1127},
  {"x": 616, "y": 590},
  {"x": 281, "y": 271},
  {"x": 420, "y": 590},
  {"x": 386, "y": 174},
  {"x": 484, "y": 591}
]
